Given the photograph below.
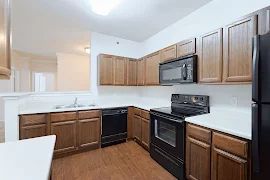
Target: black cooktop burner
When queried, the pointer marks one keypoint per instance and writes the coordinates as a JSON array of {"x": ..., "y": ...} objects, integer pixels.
[{"x": 169, "y": 111}]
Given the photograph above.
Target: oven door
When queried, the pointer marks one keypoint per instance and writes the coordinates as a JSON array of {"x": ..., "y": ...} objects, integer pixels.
[
  {"x": 172, "y": 72},
  {"x": 168, "y": 133}
]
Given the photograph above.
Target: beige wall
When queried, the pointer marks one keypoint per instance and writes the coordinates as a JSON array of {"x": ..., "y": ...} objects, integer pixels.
[{"x": 73, "y": 72}]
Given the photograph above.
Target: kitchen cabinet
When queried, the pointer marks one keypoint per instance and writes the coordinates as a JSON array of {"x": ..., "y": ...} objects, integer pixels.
[
  {"x": 152, "y": 68},
  {"x": 263, "y": 20},
  {"x": 186, "y": 47},
  {"x": 141, "y": 71},
  {"x": 168, "y": 53},
  {"x": 238, "y": 49},
  {"x": 33, "y": 126},
  {"x": 5, "y": 40},
  {"x": 66, "y": 139},
  {"x": 131, "y": 72},
  {"x": 210, "y": 57},
  {"x": 214, "y": 155},
  {"x": 142, "y": 127},
  {"x": 119, "y": 70},
  {"x": 106, "y": 75},
  {"x": 130, "y": 122}
]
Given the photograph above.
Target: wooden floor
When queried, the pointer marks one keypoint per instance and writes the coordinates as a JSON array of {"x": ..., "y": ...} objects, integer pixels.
[
  {"x": 122, "y": 161},
  {"x": 2, "y": 132}
]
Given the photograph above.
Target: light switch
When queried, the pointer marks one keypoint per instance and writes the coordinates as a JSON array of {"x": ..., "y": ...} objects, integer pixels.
[{"x": 234, "y": 101}]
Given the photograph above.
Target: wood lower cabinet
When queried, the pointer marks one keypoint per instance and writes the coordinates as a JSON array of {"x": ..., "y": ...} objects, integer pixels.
[
  {"x": 168, "y": 53},
  {"x": 186, "y": 47},
  {"x": 66, "y": 136},
  {"x": 106, "y": 76},
  {"x": 141, "y": 72},
  {"x": 152, "y": 68},
  {"x": 131, "y": 72},
  {"x": 89, "y": 133},
  {"x": 221, "y": 157},
  {"x": 33, "y": 131},
  {"x": 238, "y": 49},
  {"x": 130, "y": 123},
  {"x": 5, "y": 40},
  {"x": 145, "y": 137},
  {"x": 210, "y": 57},
  {"x": 119, "y": 70},
  {"x": 137, "y": 128}
]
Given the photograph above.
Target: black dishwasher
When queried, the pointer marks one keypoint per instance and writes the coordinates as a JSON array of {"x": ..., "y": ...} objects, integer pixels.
[{"x": 114, "y": 126}]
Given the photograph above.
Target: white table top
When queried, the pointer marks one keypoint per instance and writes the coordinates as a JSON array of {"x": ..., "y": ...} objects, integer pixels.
[{"x": 27, "y": 159}]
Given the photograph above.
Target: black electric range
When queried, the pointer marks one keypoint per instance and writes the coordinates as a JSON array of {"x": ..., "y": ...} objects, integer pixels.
[{"x": 168, "y": 130}]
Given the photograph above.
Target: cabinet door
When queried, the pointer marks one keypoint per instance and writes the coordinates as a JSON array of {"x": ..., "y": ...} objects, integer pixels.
[
  {"x": 186, "y": 47},
  {"x": 141, "y": 72},
  {"x": 228, "y": 166},
  {"x": 137, "y": 128},
  {"x": 33, "y": 131},
  {"x": 198, "y": 161},
  {"x": 119, "y": 70},
  {"x": 168, "y": 53},
  {"x": 210, "y": 57},
  {"x": 5, "y": 40},
  {"x": 130, "y": 122},
  {"x": 65, "y": 136},
  {"x": 152, "y": 69},
  {"x": 89, "y": 133},
  {"x": 145, "y": 124},
  {"x": 238, "y": 50},
  {"x": 132, "y": 72},
  {"x": 106, "y": 70}
]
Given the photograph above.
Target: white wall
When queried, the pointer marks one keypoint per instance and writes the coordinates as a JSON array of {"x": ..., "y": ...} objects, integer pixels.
[
  {"x": 73, "y": 72},
  {"x": 213, "y": 15},
  {"x": 101, "y": 43}
]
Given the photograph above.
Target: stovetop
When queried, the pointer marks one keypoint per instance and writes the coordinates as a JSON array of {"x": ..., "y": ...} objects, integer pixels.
[{"x": 185, "y": 106}]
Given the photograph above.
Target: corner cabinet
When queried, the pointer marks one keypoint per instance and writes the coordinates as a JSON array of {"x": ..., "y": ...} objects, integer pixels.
[
  {"x": 238, "y": 49},
  {"x": 152, "y": 68},
  {"x": 214, "y": 155},
  {"x": 141, "y": 71},
  {"x": 5, "y": 40},
  {"x": 210, "y": 57},
  {"x": 131, "y": 72}
]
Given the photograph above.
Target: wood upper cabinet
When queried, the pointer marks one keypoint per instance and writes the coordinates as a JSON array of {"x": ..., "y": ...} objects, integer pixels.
[
  {"x": 89, "y": 133},
  {"x": 120, "y": 71},
  {"x": 5, "y": 40},
  {"x": 106, "y": 75},
  {"x": 131, "y": 72},
  {"x": 210, "y": 57},
  {"x": 186, "y": 47},
  {"x": 137, "y": 128},
  {"x": 238, "y": 50},
  {"x": 145, "y": 130},
  {"x": 152, "y": 68},
  {"x": 168, "y": 53},
  {"x": 229, "y": 158},
  {"x": 198, "y": 153},
  {"x": 141, "y": 71},
  {"x": 66, "y": 136}
]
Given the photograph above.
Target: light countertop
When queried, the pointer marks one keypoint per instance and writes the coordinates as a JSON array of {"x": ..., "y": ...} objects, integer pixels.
[
  {"x": 27, "y": 159},
  {"x": 227, "y": 121}
]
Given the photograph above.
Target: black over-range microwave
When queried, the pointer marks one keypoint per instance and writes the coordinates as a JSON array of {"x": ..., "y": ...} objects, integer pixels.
[{"x": 178, "y": 71}]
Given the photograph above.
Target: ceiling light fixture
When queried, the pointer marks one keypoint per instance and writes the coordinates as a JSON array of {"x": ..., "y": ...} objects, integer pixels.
[
  {"x": 87, "y": 50},
  {"x": 104, "y": 7}
]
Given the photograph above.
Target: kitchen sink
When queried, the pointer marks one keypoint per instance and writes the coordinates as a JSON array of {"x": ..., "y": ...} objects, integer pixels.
[{"x": 73, "y": 106}]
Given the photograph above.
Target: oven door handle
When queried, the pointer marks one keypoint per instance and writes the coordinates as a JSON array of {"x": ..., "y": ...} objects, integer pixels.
[{"x": 167, "y": 118}]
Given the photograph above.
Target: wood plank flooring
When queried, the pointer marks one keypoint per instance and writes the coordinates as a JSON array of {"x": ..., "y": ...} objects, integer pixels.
[
  {"x": 2, "y": 131},
  {"x": 123, "y": 161}
]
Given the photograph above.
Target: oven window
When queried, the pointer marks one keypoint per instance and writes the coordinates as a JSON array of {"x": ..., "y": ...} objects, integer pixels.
[
  {"x": 169, "y": 74},
  {"x": 165, "y": 132}
]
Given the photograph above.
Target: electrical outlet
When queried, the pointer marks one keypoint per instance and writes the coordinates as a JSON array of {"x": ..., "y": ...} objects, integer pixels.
[{"x": 234, "y": 101}]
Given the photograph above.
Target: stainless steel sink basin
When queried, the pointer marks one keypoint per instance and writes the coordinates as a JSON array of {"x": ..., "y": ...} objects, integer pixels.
[{"x": 73, "y": 106}]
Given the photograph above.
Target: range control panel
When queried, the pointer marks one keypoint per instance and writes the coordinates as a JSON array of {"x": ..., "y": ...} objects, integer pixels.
[{"x": 198, "y": 100}]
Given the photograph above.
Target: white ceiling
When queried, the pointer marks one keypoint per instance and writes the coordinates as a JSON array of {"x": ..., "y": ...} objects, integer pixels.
[{"x": 50, "y": 21}]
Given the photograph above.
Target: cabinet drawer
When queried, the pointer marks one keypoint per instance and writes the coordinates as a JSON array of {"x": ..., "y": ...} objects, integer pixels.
[
  {"x": 57, "y": 117},
  {"x": 89, "y": 114},
  {"x": 137, "y": 111},
  {"x": 199, "y": 133},
  {"x": 27, "y": 120},
  {"x": 145, "y": 114},
  {"x": 230, "y": 144}
]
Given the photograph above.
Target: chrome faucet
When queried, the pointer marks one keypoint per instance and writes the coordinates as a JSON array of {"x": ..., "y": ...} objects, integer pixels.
[{"x": 75, "y": 102}]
